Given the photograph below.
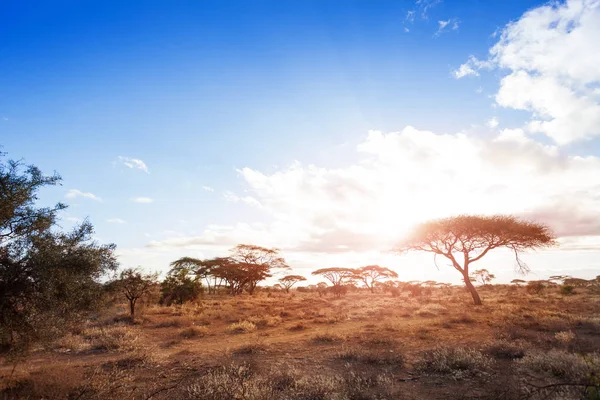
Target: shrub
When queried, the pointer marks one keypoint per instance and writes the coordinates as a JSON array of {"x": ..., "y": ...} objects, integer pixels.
[
  {"x": 251, "y": 348},
  {"x": 567, "y": 289},
  {"x": 562, "y": 364},
  {"x": 300, "y": 326},
  {"x": 506, "y": 350},
  {"x": 535, "y": 287},
  {"x": 457, "y": 361},
  {"x": 327, "y": 338},
  {"x": 241, "y": 327},
  {"x": 193, "y": 331},
  {"x": 564, "y": 337},
  {"x": 381, "y": 357},
  {"x": 115, "y": 338}
]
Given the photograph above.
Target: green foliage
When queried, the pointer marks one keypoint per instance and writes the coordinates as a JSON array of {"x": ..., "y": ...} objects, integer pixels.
[
  {"x": 567, "y": 289},
  {"x": 48, "y": 278},
  {"x": 134, "y": 285},
  {"x": 180, "y": 287}
]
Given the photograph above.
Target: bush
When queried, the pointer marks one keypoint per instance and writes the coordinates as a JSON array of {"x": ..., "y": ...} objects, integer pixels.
[
  {"x": 506, "y": 350},
  {"x": 193, "y": 331},
  {"x": 381, "y": 357},
  {"x": 241, "y": 327},
  {"x": 326, "y": 338},
  {"x": 535, "y": 287},
  {"x": 561, "y": 364},
  {"x": 457, "y": 361},
  {"x": 567, "y": 290},
  {"x": 115, "y": 338}
]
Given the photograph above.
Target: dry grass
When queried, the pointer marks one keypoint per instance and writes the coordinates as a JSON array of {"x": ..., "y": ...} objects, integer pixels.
[
  {"x": 362, "y": 346},
  {"x": 241, "y": 327}
]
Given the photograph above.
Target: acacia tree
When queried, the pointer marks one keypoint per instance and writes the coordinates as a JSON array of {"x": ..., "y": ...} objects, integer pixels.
[
  {"x": 466, "y": 239},
  {"x": 48, "y": 278},
  {"x": 482, "y": 276},
  {"x": 517, "y": 282},
  {"x": 290, "y": 280},
  {"x": 371, "y": 274},
  {"x": 134, "y": 284},
  {"x": 338, "y": 277},
  {"x": 254, "y": 264}
]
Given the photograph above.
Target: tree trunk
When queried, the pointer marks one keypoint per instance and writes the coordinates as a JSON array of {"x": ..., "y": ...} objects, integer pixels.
[
  {"x": 472, "y": 290},
  {"x": 132, "y": 307}
]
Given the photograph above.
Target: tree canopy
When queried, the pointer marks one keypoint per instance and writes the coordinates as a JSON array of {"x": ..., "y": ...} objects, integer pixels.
[
  {"x": 466, "y": 239},
  {"x": 48, "y": 278},
  {"x": 371, "y": 274},
  {"x": 290, "y": 280}
]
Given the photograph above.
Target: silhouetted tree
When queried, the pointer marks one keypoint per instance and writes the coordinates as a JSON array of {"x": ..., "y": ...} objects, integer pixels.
[
  {"x": 255, "y": 264},
  {"x": 371, "y": 274},
  {"x": 482, "y": 276},
  {"x": 470, "y": 238},
  {"x": 290, "y": 280},
  {"x": 338, "y": 278},
  {"x": 134, "y": 284},
  {"x": 47, "y": 278},
  {"x": 517, "y": 282}
]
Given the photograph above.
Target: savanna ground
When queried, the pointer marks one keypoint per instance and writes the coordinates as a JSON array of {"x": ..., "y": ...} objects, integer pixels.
[{"x": 303, "y": 346}]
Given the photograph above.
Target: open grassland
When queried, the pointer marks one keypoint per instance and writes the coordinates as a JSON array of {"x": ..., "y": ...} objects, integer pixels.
[{"x": 303, "y": 346}]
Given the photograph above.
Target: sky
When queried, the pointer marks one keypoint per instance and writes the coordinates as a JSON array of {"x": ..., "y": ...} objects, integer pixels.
[{"x": 323, "y": 128}]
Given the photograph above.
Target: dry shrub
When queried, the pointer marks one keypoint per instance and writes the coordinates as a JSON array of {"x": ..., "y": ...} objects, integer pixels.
[
  {"x": 561, "y": 364},
  {"x": 299, "y": 326},
  {"x": 265, "y": 321},
  {"x": 193, "y": 331},
  {"x": 459, "y": 362},
  {"x": 175, "y": 322},
  {"x": 250, "y": 348},
  {"x": 462, "y": 319},
  {"x": 431, "y": 310},
  {"x": 70, "y": 342},
  {"x": 114, "y": 338},
  {"x": 506, "y": 349},
  {"x": 282, "y": 382},
  {"x": 564, "y": 337},
  {"x": 241, "y": 327},
  {"x": 365, "y": 356},
  {"x": 327, "y": 338}
]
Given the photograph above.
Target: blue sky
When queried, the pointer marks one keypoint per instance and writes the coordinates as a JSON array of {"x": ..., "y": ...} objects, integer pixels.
[{"x": 219, "y": 99}]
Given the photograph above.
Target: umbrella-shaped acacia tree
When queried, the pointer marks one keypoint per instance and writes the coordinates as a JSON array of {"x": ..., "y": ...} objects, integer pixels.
[{"x": 466, "y": 239}]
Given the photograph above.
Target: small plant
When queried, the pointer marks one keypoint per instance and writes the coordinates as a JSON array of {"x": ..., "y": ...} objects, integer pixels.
[
  {"x": 327, "y": 338},
  {"x": 241, "y": 327},
  {"x": 506, "y": 349},
  {"x": 564, "y": 337},
  {"x": 300, "y": 326},
  {"x": 251, "y": 348},
  {"x": 193, "y": 331},
  {"x": 567, "y": 290},
  {"x": 456, "y": 361}
]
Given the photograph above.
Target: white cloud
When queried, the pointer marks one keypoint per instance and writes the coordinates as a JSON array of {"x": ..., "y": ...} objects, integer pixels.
[
  {"x": 452, "y": 25},
  {"x": 134, "y": 163},
  {"x": 115, "y": 221},
  {"x": 233, "y": 198},
  {"x": 73, "y": 193},
  {"x": 142, "y": 200},
  {"x": 208, "y": 188},
  {"x": 552, "y": 58},
  {"x": 402, "y": 178},
  {"x": 471, "y": 67},
  {"x": 492, "y": 123}
]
